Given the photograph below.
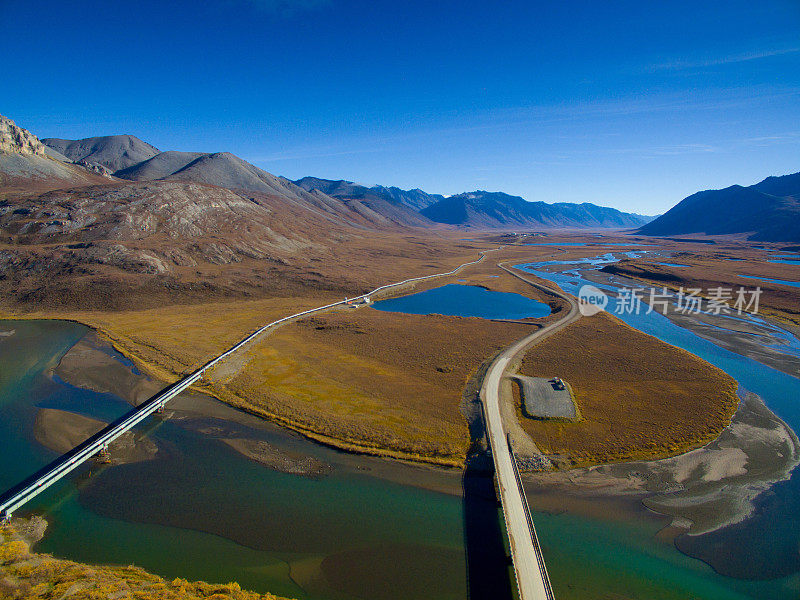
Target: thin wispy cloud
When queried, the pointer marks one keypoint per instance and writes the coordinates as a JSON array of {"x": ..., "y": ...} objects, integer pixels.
[
  {"x": 769, "y": 140},
  {"x": 680, "y": 65},
  {"x": 516, "y": 117},
  {"x": 523, "y": 118},
  {"x": 655, "y": 151},
  {"x": 725, "y": 145}
]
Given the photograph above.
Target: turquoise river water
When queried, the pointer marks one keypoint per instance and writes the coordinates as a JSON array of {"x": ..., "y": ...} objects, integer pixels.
[{"x": 369, "y": 529}]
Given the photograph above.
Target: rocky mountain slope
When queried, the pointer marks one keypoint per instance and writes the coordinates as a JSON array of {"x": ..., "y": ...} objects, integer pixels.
[
  {"x": 191, "y": 227},
  {"x": 127, "y": 157},
  {"x": 159, "y": 166},
  {"x": 229, "y": 171},
  {"x": 70, "y": 238},
  {"x": 766, "y": 211},
  {"x": 415, "y": 199},
  {"x": 782, "y": 186},
  {"x": 26, "y": 164},
  {"x": 226, "y": 170},
  {"x": 399, "y": 206},
  {"x": 99, "y": 155},
  {"x": 489, "y": 210},
  {"x": 136, "y": 244},
  {"x": 16, "y": 140},
  {"x": 114, "y": 152}
]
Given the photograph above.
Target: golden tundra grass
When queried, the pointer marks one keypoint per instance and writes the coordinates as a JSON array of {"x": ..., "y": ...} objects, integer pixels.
[
  {"x": 639, "y": 397},
  {"x": 359, "y": 379},
  {"x": 28, "y": 576},
  {"x": 372, "y": 381},
  {"x": 375, "y": 381},
  {"x": 172, "y": 340}
]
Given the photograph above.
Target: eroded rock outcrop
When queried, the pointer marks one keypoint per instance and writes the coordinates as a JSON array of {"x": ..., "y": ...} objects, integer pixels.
[{"x": 16, "y": 140}]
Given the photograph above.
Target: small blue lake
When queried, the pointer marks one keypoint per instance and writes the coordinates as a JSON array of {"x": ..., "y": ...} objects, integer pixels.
[
  {"x": 466, "y": 301},
  {"x": 779, "y": 281},
  {"x": 624, "y": 244}
]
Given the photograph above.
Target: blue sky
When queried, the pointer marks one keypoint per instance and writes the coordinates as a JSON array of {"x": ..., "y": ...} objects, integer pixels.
[{"x": 626, "y": 104}]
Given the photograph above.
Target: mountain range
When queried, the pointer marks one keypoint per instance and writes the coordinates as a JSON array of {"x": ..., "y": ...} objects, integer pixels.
[
  {"x": 766, "y": 211},
  {"x": 113, "y": 222},
  {"x": 496, "y": 210},
  {"x": 126, "y": 157}
]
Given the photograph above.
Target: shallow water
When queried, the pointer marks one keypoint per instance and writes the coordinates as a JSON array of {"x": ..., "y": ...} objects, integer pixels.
[
  {"x": 354, "y": 534},
  {"x": 466, "y": 301},
  {"x": 764, "y": 546},
  {"x": 554, "y": 244},
  {"x": 202, "y": 511},
  {"x": 623, "y": 244}
]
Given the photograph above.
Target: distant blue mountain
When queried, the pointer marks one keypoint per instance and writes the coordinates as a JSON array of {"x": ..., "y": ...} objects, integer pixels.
[
  {"x": 496, "y": 210},
  {"x": 766, "y": 211}
]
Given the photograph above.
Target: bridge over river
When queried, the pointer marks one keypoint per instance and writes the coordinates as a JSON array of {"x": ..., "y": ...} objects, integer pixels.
[{"x": 531, "y": 573}]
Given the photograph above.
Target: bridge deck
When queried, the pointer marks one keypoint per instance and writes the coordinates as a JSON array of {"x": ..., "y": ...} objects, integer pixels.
[{"x": 533, "y": 581}]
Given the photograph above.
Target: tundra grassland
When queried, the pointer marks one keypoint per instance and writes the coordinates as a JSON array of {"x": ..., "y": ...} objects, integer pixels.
[
  {"x": 377, "y": 382},
  {"x": 369, "y": 381},
  {"x": 639, "y": 397}
]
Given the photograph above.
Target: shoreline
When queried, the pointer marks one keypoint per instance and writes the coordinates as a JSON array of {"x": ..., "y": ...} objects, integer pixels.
[
  {"x": 153, "y": 378},
  {"x": 702, "y": 490},
  {"x": 60, "y": 431},
  {"x": 24, "y": 571},
  {"x": 576, "y": 501},
  {"x": 735, "y": 337},
  {"x": 716, "y": 484},
  {"x": 82, "y": 375},
  {"x": 79, "y": 367},
  {"x": 611, "y": 486},
  {"x": 162, "y": 376},
  {"x": 277, "y": 459}
]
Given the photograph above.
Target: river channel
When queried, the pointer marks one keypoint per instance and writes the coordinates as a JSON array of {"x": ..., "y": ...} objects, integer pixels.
[{"x": 364, "y": 527}]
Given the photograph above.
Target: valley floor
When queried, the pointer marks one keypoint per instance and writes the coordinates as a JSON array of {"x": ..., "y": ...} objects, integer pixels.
[{"x": 403, "y": 385}]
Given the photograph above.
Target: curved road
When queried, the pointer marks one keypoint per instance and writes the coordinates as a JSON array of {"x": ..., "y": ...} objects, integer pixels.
[
  {"x": 532, "y": 579},
  {"x": 531, "y": 574}
]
